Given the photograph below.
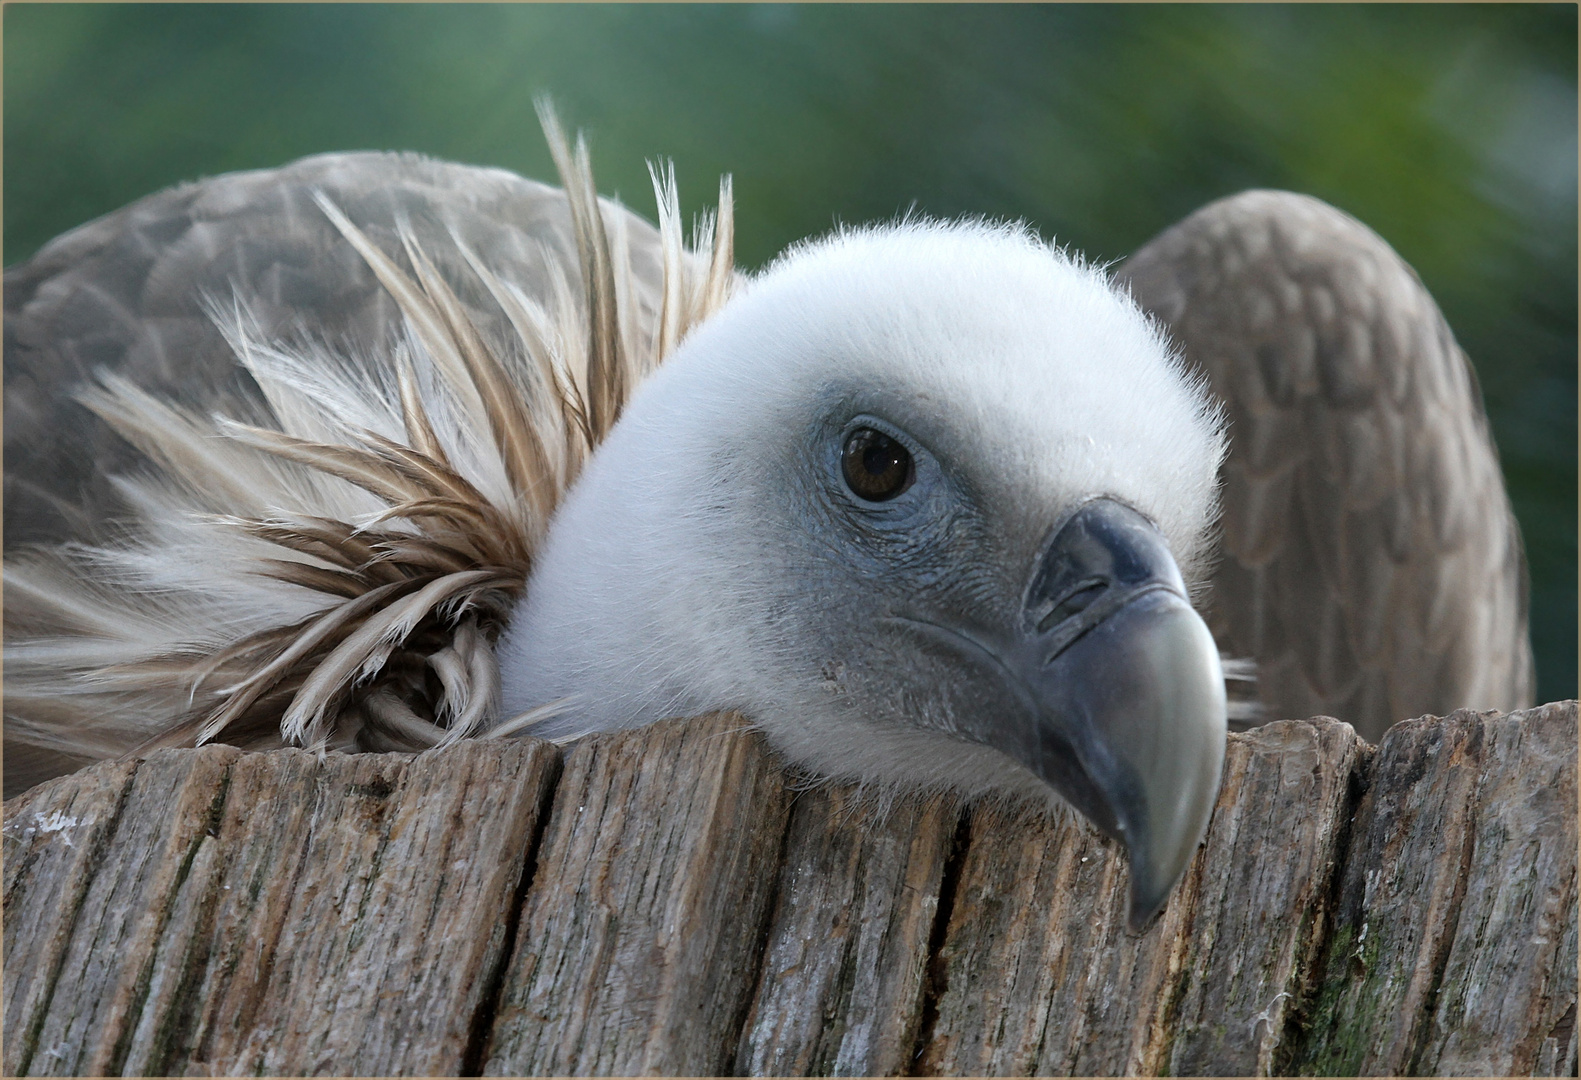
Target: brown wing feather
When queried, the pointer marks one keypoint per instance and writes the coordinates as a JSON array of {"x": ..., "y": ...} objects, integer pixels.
[{"x": 1370, "y": 560}]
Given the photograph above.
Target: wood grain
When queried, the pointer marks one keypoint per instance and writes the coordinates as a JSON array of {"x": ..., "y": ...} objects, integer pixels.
[
  {"x": 1267, "y": 874},
  {"x": 666, "y": 901},
  {"x": 137, "y": 856},
  {"x": 847, "y": 952},
  {"x": 642, "y": 933},
  {"x": 1506, "y": 1001},
  {"x": 1454, "y": 949},
  {"x": 270, "y": 913},
  {"x": 1038, "y": 916},
  {"x": 53, "y": 844},
  {"x": 1042, "y": 977}
]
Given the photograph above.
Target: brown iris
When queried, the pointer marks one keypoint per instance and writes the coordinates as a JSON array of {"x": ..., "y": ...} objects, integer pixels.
[{"x": 876, "y": 466}]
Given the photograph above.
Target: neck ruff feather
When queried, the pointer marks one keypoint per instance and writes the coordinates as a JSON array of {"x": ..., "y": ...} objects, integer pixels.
[{"x": 334, "y": 574}]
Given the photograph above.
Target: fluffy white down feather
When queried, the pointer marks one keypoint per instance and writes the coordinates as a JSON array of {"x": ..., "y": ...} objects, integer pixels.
[{"x": 697, "y": 563}]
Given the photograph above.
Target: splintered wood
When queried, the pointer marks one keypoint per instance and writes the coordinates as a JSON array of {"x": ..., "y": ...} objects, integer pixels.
[{"x": 670, "y": 902}]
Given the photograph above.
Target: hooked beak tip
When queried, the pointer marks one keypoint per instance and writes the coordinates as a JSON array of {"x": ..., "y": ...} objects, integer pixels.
[{"x": 1134, "y": 725}]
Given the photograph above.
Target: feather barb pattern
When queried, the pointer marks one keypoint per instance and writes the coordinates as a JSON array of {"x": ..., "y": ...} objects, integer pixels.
[{"x": 336, "y": 574}]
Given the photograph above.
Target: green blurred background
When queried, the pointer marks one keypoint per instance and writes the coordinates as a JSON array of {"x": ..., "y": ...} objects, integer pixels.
[{"x": 1451, "y": 130}]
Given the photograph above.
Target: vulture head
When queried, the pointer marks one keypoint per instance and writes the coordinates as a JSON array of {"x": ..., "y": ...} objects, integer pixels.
[{"x": 925, "y": 502}]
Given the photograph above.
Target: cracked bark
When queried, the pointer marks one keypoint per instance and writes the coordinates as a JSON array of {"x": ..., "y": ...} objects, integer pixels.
[{"x": 662, "y": 901}]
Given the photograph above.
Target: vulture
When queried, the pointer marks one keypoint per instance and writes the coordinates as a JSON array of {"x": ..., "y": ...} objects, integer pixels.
[{"x": 374, "y": 452}]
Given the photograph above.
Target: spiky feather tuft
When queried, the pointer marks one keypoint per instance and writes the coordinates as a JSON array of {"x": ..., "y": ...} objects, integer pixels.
[{"x": 335, "y": 574}]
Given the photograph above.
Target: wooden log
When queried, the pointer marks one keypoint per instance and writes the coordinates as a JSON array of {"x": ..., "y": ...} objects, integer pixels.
[
  {"x": 131, "y": 840},
  {"x": 668, "y": 902},
  {"x": 640, "y": 940},
  {"x": 264, "y": 913},
  {"x": 1506, "y": 1001},
  {"x": 1454, "y": 948},
  {"x": 1042, "y": 976},
  {"x": 847, "y": 953}
]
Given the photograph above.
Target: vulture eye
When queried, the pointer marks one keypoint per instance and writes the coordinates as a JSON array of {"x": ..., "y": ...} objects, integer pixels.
[{"x": 877, "y": 467}]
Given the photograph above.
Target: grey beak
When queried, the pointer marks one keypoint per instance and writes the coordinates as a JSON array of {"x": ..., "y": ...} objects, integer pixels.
[{"x": 1129, "y": 693}]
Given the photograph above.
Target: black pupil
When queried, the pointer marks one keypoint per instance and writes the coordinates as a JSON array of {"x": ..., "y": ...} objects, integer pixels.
[{"x": 876, "y": 466}]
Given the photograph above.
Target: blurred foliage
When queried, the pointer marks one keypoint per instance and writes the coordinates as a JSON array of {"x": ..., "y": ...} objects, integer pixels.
[{"x": 1451, "y": 130}]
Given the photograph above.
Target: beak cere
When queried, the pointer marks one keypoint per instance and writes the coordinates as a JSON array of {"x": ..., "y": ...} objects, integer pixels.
[{"x": 1125, "y": 677}]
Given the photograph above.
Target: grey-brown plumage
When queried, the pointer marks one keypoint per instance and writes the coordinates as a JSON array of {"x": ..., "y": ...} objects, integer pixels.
[
  {"x": 127, "y": 293},
  {"x": 1370, "y": 561}
]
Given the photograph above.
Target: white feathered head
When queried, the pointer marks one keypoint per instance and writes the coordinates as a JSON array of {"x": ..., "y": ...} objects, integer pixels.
[{"x": 849, "y": 505}]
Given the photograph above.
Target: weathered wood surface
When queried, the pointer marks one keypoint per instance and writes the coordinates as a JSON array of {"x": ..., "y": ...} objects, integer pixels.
[
  {"x": 847, "y": 954},
  {"x": 1042, "y": 977},
  {"x": 1457, "y": 910},
  {"x": 214, "y": 912},
  {"x": 669, "y": 901},
  {"x": 638, "y": 942}
]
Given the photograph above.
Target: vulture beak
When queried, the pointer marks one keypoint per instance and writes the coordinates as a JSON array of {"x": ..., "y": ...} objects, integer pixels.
[{"x": 1126, "y": 692}]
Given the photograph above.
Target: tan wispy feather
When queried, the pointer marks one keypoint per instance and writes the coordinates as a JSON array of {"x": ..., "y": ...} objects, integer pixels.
[{"x": 337, "y": 577}]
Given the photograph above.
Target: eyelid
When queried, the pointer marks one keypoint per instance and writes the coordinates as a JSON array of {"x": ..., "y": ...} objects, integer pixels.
[{"x": 868, "y": 420}]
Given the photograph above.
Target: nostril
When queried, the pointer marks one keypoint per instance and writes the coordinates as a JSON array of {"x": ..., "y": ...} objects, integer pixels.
[{"x": 1073, "y": 602}]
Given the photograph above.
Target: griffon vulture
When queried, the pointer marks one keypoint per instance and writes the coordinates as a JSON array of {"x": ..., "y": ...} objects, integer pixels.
[{"x": 374, "y": 452}]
